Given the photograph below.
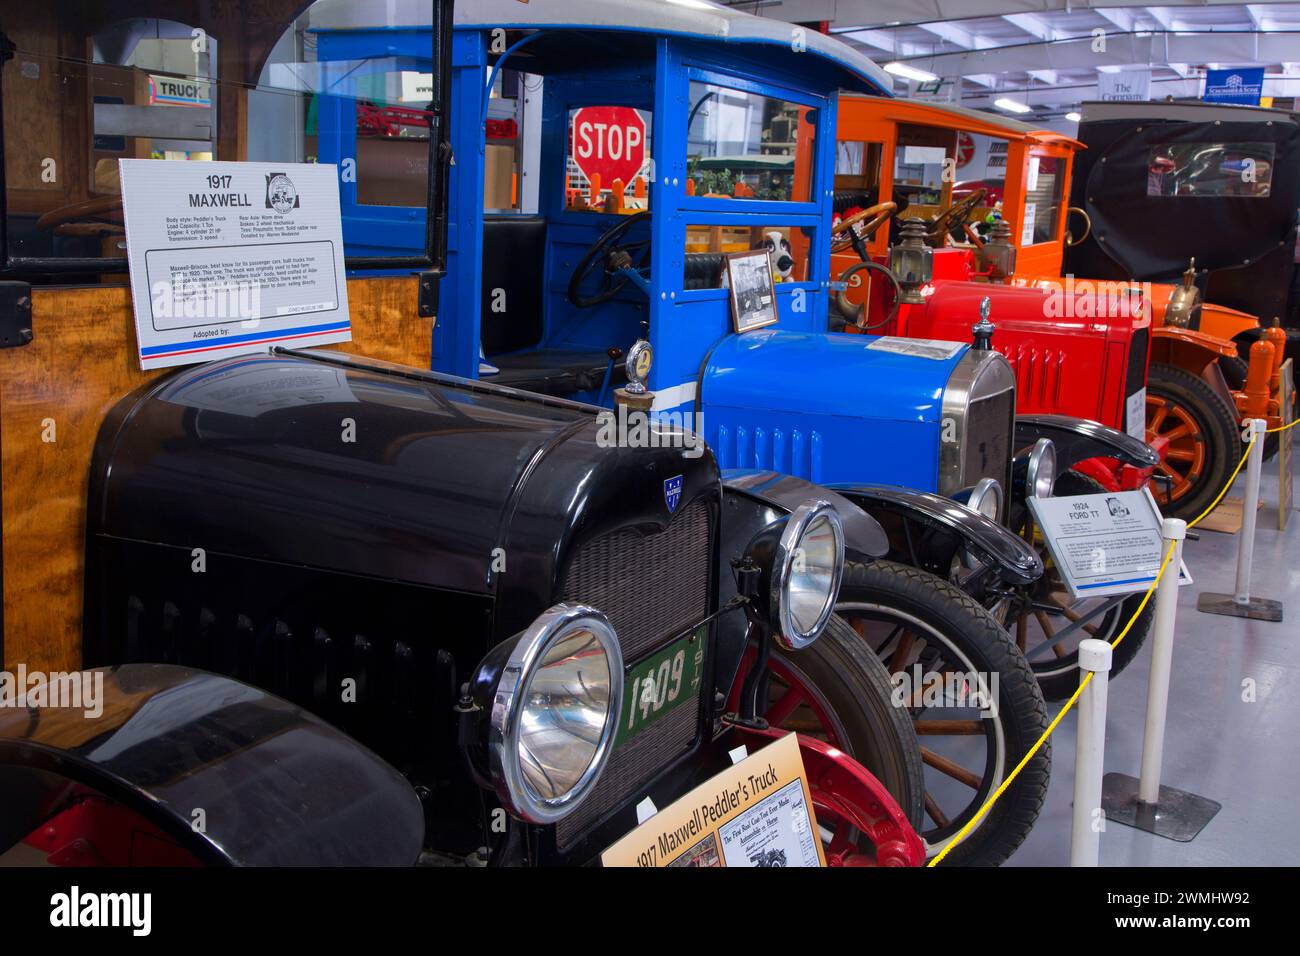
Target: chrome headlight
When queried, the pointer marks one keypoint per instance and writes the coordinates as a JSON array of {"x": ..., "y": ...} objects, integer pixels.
[
  {"x": 554, "y": 712},
  {"x": 985, "y": 497},
  {"x": 805, "y": 574},
  {"x": 1040, "y": 478}
]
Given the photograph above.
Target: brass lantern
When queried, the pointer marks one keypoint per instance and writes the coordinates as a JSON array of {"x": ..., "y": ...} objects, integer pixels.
[
  {"x": 997, "y": 257},
  {"x": 1183, "y": 309},
  {"x": 912, "y": 261}
]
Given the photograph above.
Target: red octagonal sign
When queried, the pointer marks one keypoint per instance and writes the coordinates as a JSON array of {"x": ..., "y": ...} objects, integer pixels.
[{"x": 609, "y": 142}]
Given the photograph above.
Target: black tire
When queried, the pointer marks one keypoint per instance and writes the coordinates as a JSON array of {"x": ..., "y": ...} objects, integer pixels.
[
  {"x": 874, "y": 732},
  {"x": 952, "y": 634},
  {"x": 1059, "y": 676},
  {"x": 1188, "y": 401},
  {"x": 1234, "y": 369}
]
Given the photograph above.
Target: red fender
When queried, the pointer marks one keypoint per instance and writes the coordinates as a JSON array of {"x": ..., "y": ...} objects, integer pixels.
[{"x": 844, "y": 792}]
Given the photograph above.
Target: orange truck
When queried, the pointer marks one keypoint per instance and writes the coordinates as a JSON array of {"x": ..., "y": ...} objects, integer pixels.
[{"x": 993, "y": 195}]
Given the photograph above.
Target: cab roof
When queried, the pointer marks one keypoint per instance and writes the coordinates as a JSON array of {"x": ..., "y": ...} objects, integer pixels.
[
  {"x": 1187, "y": 111},
  {"x": 698, "y": 19},
  {"x": 960, "y": 117}
]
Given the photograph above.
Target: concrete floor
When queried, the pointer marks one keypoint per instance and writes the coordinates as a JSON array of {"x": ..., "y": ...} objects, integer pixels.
[{"x": 1244, "y": 755}]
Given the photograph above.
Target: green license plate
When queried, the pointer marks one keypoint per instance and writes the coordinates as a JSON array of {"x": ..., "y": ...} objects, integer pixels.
[{"x": 660, "y": 683}]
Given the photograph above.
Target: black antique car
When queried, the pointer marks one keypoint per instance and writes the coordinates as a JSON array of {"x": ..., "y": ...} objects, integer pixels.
[
  {"x": 1221, "y": 183},
  {"x": 473, "y": 587}
]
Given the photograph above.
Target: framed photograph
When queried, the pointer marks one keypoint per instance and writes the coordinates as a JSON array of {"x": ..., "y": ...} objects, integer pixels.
[{"x": 753, "y": 291}]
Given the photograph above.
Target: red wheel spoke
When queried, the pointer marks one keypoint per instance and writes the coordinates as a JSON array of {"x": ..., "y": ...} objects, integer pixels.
[{"x": 783, "y": 708}]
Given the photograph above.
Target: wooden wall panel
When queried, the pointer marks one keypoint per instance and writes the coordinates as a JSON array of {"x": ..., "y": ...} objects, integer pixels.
[{"x": 60, "y": 387}]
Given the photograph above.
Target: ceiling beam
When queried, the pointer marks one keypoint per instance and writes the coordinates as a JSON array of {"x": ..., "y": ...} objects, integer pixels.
[
  {"x": 1122, "y": 50},
  {"x": 1034, "y": 26},
  {"x": 951, "y": 33},
  {"x": 845, "y": 14}
]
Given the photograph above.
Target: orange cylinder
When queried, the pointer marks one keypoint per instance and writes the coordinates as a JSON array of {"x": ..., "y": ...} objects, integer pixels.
[
  {"x": 1277, "y": 335},
  {"x": 1257, "y": 379}
]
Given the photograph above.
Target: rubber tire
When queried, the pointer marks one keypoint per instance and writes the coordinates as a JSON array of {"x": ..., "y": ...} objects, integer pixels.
[
  {"x": 878, "y": 735},
  {"x": 1219, "y": 430},
  {"x": 1061, "y": 686},
  {"x": 979, "y": 637},
  {"x": 1234, "y": 371}
]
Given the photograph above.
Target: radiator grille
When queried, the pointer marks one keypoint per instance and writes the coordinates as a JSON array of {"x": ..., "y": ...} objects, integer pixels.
[
  {"x": 987, "y": 449},
  {"x": 651, "y": 589},
  {"x": 1136, "y": 376}
]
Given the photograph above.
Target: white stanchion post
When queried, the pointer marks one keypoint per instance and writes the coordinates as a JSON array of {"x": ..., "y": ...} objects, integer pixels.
[
  {"x": 1173, "y": 531},
  {"x": 1240, "y": 603},
  {"x": 1254, "y": 465},
  {"x": 1090, "y": 752}
]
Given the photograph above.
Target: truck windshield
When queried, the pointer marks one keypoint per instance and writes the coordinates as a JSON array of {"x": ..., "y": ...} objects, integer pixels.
[{"x": 742, "y": 145}]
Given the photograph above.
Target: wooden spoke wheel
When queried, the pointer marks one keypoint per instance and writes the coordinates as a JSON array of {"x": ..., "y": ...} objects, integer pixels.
[
  {"x": 1203, "y": 442},
  {"x": 971, "y": 699}
]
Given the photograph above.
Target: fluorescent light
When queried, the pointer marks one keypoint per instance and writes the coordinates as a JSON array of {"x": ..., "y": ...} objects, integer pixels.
[
  {"x": 1011, "y": 106},
  {"x": 1074, "y": 117},
  {"x": 909, "y": 72}
]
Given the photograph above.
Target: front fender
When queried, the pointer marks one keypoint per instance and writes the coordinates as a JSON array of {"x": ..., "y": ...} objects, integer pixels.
[
  {"x": 1188, "y": 348},
  {"x": 278, "y": 786},
  {"x": 1077, "y": 439},
  {"x": 947, "y": 524}
]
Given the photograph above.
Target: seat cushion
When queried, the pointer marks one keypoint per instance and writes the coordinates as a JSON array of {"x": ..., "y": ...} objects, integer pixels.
[{"x": 514, "y": 253}]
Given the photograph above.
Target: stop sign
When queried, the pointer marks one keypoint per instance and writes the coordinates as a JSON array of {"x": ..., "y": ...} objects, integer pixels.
[{"x": 609, "y": 142}]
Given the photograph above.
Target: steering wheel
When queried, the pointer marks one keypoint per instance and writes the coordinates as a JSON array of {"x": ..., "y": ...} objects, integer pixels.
[
  {"x": 1087, "y": 226},
  {"x": 612, "y": 258},
  {"x": 955, "y": 216},
  {"x": 99, "y": 216},
  {"x": 848, "y": 229}
]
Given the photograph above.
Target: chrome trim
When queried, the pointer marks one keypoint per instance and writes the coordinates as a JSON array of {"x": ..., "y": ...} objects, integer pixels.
[
  {"x": 512, "y": 690},
  {"x": 978, "y": 375},
  {"x": 1038, "y": 459},
  {"x": 636, "y": 384},
  {"x": 982, "y": 489},
  {"x": 785, "y": 633}
]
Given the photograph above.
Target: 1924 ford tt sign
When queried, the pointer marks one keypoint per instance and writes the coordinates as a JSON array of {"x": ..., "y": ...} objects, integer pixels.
[{"x": 473, "y": 589}]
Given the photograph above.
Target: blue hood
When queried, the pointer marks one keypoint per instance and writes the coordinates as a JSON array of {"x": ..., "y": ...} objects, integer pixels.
[{"x": 829, "y": 374}]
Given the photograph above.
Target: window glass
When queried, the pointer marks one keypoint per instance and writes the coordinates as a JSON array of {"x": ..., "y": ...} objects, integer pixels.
[
  {"x": 707, "y": 248},
  {"x": 742, "y": 145},
  {"x": 1211, "y": 169},
  {"x": 1044, "y": 187},
  {"x": 609, "y": 165},
  {"x": 857, "y": 166}
]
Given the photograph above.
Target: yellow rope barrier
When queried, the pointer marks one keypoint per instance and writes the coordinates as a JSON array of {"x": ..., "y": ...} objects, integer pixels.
[{"x": 1087, "y": 679}]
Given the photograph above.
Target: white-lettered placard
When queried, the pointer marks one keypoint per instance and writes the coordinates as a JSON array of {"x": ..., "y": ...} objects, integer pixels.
[
  {"x": 230, "y": 258},
  {"x": 1105, "y": 543}
]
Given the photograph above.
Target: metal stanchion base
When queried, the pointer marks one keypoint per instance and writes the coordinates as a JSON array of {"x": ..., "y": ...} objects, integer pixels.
[
  {"x": 1259, "y": 609},
  {"x": 1179, "y": 816}
]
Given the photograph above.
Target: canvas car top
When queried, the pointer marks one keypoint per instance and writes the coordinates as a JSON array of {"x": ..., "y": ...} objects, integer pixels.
[
  {"x": 1098, "y": 111},
  {"x": 961, "y": 117},
  {"x": 690, "y": 18}
]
